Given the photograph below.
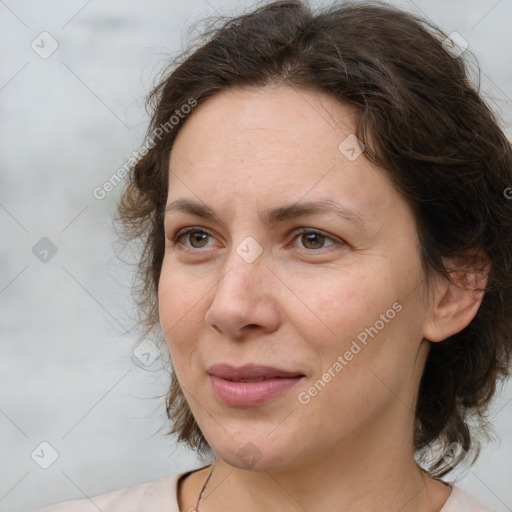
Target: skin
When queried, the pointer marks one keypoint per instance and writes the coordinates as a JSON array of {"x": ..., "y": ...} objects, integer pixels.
[{"x": 299, "y": 306}]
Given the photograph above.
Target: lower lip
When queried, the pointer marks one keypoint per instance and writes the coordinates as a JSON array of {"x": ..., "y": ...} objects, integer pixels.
[{"x": 244, "y": 394}]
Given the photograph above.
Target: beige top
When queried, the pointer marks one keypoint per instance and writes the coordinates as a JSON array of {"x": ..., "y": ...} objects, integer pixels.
[{"x": 161, "y": 496}]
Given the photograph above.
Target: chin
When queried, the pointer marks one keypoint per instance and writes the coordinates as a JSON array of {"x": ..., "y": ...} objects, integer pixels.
[{"x": 257, "y": 454}]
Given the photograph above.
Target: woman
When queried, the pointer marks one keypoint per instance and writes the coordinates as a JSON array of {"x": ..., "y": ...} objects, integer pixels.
[{"x": 328, "y": 252}]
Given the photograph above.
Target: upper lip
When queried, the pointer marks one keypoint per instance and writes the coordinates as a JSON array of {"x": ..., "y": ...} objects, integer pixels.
[{"x": 249, "y": 371}]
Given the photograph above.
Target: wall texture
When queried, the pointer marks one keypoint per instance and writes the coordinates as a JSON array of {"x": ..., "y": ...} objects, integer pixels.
[{"x": 79, "y": 414}]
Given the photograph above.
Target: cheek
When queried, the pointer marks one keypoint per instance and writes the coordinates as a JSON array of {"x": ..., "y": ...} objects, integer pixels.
[
  {"x": 367, "y": 318},
  {"x": 338, "y": 309},
  {"x": 180, "y": 310}
]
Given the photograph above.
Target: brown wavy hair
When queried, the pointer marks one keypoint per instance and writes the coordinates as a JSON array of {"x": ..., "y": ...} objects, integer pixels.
[{"x": 422, "y": 121}]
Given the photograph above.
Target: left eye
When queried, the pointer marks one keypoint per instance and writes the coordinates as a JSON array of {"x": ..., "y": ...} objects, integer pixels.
[{"x": 313, "y": 239}]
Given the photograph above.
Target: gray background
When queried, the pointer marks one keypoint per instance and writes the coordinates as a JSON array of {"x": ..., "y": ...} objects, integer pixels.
[{"x": 67, "y": 123}]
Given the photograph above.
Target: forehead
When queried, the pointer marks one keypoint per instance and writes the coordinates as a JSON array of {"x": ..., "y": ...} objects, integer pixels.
[
  {"x": 282, "y": 123},
  {"x": 263, "y": 145}
]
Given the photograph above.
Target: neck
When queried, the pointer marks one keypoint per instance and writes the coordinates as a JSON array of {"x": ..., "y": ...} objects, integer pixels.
[{"x": 373, "y": 470}]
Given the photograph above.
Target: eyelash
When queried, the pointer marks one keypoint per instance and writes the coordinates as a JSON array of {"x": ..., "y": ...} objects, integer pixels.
[{"x": 186, "y": 231}]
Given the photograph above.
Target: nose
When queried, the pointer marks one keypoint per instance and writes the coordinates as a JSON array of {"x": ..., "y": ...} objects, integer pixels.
[{"x": 244, "y": 300}]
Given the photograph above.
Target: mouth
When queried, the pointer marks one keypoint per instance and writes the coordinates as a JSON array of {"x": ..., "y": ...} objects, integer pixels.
[{"x": 250, "y": 385}]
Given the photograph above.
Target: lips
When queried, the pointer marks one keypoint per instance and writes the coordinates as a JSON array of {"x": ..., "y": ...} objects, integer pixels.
[
  {"x": 249, "y": 373},
  {"x": 250, "y": 385}
]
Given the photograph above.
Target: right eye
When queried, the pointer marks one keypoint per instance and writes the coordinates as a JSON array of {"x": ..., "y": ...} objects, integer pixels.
[{"x": 194, "y": 235}]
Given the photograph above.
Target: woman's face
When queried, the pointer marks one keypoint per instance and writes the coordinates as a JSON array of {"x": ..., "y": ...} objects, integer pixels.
[{"x": 332, "y": 298}]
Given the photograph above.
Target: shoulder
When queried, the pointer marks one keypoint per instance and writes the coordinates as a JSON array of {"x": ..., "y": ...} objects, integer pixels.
[
  {"x": 160, "y": 495},
  {"x": 461, "y": 501}
]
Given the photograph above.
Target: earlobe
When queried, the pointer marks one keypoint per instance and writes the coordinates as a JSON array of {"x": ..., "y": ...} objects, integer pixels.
[{"x": 456, "y": 303}]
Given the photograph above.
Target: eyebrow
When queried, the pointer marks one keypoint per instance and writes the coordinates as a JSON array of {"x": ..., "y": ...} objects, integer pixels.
[{"x": 278, "y": 214}]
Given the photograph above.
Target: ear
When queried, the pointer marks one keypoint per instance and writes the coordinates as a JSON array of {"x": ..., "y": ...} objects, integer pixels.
[{"x": 456, "y": 303}]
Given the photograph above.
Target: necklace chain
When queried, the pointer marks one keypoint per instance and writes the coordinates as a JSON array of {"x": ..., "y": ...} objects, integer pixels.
[{"x": 204, "y": 488}]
